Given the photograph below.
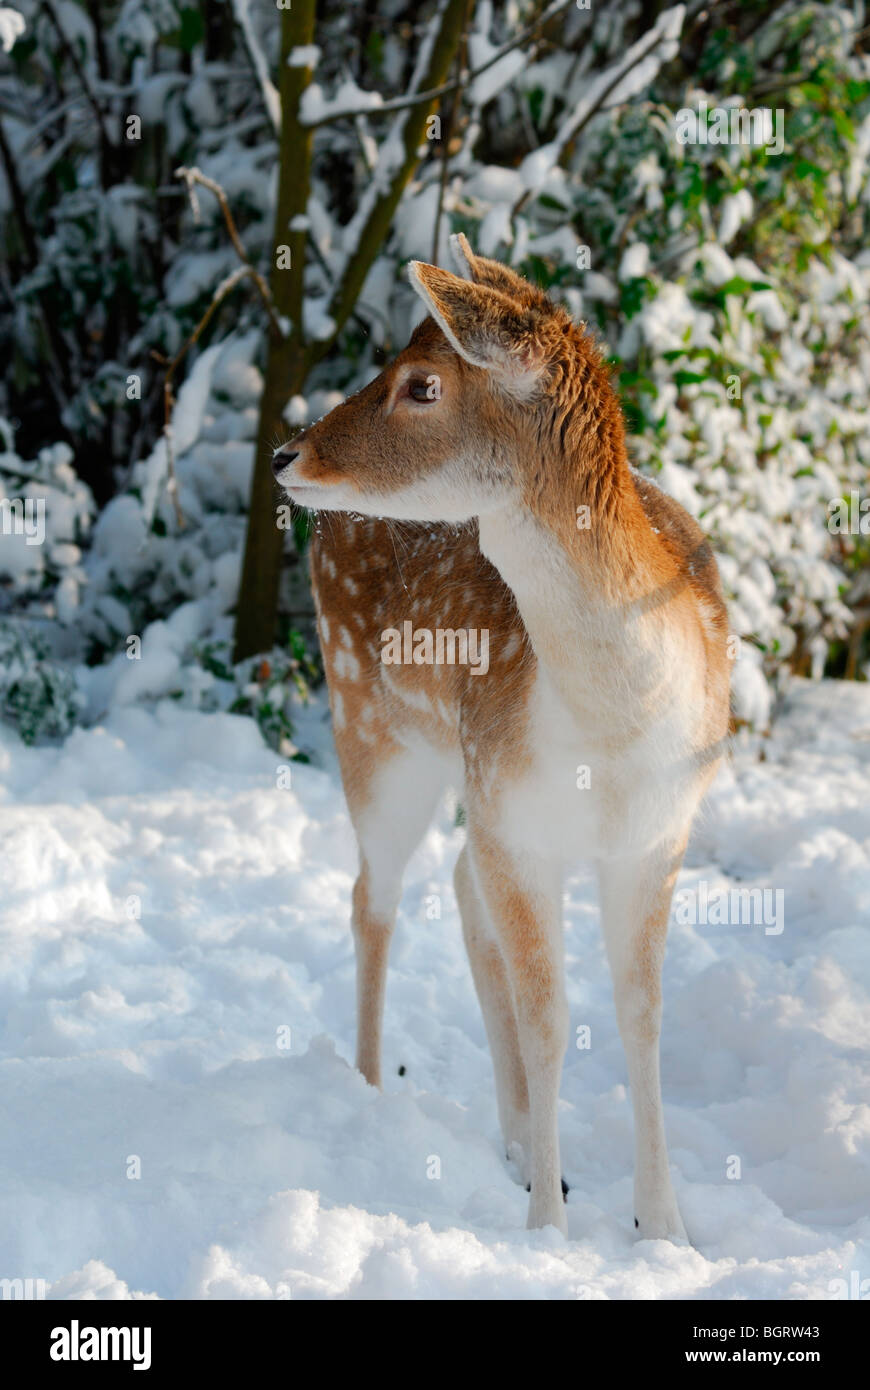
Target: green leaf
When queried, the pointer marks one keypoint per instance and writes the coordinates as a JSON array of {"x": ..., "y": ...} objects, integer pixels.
[
  {"x": 634, "y": 292},
  {"x": 190, "y": 33},
  {"x": 637, "y": 379},
  {"x": 857, "y": 91},
  {"x": 375, "y": 50},
  {"x": 844, "y": 126}
]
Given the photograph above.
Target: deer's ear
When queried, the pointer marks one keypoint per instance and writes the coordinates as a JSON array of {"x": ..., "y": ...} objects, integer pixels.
[
  {"x": 485, "y": 326},
  {"x": 463, "y": 256},
  {"x": 483, "y": 271}
]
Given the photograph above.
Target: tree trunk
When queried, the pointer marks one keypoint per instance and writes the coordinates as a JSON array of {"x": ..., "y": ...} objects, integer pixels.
[
  {"x": 287, "y": 365},
  {"x": 290, "y": 361}
]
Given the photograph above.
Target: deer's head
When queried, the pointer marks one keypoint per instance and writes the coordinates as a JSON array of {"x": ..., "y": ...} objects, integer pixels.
[{"x": 466, "y": 418}]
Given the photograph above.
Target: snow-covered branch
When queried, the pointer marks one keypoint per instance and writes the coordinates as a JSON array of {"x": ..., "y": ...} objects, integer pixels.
[
  {"x": 623, "y": 79},
  {"x": 271, "y": 99},
  {"x": 397, "y": 158},
  {"x": 317, "y": 112}
]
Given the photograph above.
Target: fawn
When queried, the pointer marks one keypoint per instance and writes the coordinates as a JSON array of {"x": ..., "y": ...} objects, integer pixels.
[{"x": 496, "y": 439}]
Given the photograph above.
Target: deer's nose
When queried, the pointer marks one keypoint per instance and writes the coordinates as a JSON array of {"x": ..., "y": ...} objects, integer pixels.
[{"x": 282, "y": 457}]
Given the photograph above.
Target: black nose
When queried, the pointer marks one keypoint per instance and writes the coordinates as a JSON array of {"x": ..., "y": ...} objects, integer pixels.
[{"x": 281, "y": 458}]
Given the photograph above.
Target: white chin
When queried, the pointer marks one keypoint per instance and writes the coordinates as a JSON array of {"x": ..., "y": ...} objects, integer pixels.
[
  {"x": 315, "y": 497},
  {"x": 396, "y": 509}
]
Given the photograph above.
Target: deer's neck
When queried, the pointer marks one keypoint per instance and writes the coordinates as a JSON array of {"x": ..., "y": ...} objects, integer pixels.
[{"x": 584, "y": 565}]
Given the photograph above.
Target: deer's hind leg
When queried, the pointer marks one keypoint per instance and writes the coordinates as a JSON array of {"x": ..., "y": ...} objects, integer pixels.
[
  {"x": 523, "y": 895},
  {"x": 392, "y": 793},
  {"x": 635, "y": 906}
]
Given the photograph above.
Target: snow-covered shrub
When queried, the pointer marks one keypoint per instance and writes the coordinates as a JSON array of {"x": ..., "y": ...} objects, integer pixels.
[
  {"x": 143, "y": 563},
  {"x": 37, "y": 695},
  {"x": 733, "y": 286},
  {"x": 46, "y": 513},
  {"x": 101, "y": 277},
  {"x": 264, "y": 689},
  {"x": 155, "y": 608}
]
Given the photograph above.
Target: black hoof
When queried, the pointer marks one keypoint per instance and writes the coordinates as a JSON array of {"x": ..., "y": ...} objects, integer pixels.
[
  {"x": 565, "y": 1190},
  {"x": 636, "y": 1224}
]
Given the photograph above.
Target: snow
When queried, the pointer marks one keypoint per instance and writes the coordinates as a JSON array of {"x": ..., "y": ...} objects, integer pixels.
[
  {"x": 480, "y": 52},
  {"x": 634, "y": 262},
  {"x": 195, "y": 275},
  {"x": 171, "y": 911},
  {"x": 736, "y": 209},
  {"x": 314, "y": 107},
  {"x": 271, "y": 97},
  {"x": 12, "y": 26},
  {"x": 319, "y": 324},
  {"x": 306, "y": 56},
  {"x": 187, "y": 416}
]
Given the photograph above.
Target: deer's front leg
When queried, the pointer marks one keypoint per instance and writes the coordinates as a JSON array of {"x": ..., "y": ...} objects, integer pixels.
[
  {"x": 372, "y": 932},
  {"x": 496, "y": 1002},
  {"x": 635, "y": 904},
  {"x": 523, "y": 896}
]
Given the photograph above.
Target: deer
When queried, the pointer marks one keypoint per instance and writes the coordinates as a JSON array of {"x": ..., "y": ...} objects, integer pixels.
[{"x": 482, "y": 482}]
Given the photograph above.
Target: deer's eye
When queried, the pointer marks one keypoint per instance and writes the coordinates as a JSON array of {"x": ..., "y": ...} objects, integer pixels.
[{"x": 420, "y": 389}]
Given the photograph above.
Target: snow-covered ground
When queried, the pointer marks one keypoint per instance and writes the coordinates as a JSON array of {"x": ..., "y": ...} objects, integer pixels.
[{"x": 158, "y": 1029}]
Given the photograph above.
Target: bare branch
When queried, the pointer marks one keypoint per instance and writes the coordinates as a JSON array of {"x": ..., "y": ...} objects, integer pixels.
[{"x": 194, "y": 176}]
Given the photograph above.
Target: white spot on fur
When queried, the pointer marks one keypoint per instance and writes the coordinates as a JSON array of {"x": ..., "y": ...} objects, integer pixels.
[
  {"x": 417, "y": 699},
  {"x": 346, "y": 666}
]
